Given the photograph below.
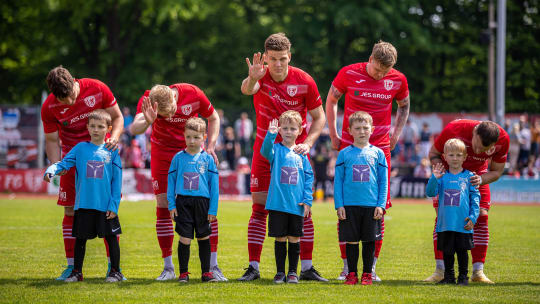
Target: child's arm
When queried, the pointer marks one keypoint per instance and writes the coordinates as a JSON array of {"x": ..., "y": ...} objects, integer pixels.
[
  {"x": 474, "y": 203},
  {"x": 69, "y": 161},
  {"x": 339, "y": 175},
  {"x": 171, "y": 184},
  {"x": 382, "y": 174},
  {"x": 267, "y": 149},
  {"x": 116, "y": 184},
  {"x": 213, "y": 185},
  {"x": 307, "y": 200}
]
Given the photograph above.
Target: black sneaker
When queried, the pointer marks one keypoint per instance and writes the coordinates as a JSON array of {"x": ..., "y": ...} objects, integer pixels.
[
  {"x": 183, "y": 277},
  {"x": 208, "y": 277},
  {"x": 250, "y": 274},
  {"x": 312, "y": 275},
  {"x": 114, "y": 276},
  {"x": 280, "y": 278},
  {"x": 75, "y": 276},
  {"x": 448, "y": 280},
  {"x": 463, "y": 280}
]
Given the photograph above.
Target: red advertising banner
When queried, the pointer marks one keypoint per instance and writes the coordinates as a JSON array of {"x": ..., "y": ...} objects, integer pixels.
[{"x": 29, "y": 180}]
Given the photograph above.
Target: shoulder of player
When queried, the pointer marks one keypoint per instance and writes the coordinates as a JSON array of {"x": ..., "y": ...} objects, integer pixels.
[
  {"x": 89, "y": 82},
  {"x": 298, "y": 73},
  {"x": 184, "y": 88},
  {"x": 394, "y": 72}
]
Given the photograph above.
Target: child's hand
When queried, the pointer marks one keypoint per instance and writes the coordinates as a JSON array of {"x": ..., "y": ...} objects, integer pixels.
[
  {"x": 341, "y": 213},
  {"x": 378, "y": 213},
  {"x": 173, "y": 213},
  {"x": 273, "y": 127},
  {"x": 307, "y": 210},
  {"x": 438, "y": 170},
  {"x": 110, "y": 215},
  {"x": 47, "y": 177},
  {"x": 469, "y": 225},
  {"x": 211, "y": 218}
]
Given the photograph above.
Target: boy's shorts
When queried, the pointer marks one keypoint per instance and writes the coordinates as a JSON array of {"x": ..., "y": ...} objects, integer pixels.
[
  {"x": 282, "y": 224},
  {"x": 359, "y": 225},
  {"x": 450, "y": 241},
  {"x": 192, "y": 215},
  {"x": 89, "y": 223}
]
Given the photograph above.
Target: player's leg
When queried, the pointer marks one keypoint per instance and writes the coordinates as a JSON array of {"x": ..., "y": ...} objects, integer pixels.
[
  {"x": 66, "y": 198},
  {"x": 214, "y": 268},
  {"x": 165, "y": 235},
  {"x": 481, "y": 240},
  {"x": 79, "y": 251},
  {"x": 308, "y": 272},
  {"x": 438, "y": 274},
  {"x": 256, "y": 235}
]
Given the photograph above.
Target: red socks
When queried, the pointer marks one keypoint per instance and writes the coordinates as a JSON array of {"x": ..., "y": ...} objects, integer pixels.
[
  {"x": 69, "y": 240},
  {"x": 306, "y": 242},
  {"x": 165, "y": 231},
  {"x": 256, "y": 231},
  {"x": 481, "y": 240}
]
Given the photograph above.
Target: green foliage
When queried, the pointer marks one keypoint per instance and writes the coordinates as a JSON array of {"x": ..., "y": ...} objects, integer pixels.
[{"x": 132, "y": 45}]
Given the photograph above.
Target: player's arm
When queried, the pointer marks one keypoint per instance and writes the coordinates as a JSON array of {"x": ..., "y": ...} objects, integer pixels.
[
  {"x": 331, "y": 114},
  {"x": 116, "y": 186},
  {"x": 401, "y": 118},
  {"x": 52, "y": 146},
  {"x": 257, "y": 70},
  {"x": 435, "y": 156},
  {"x": 213, "y": 132},
  {"x": 494, "y": 172},
  {"x": 317, "y": 124},
  {"x": 117, "y": 126}
]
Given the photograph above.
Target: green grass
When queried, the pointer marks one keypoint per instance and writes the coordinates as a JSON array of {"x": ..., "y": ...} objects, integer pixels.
[{"x": 31, "y": 256}]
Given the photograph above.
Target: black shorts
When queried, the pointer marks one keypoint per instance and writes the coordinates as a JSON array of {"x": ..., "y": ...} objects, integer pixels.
[
  {"x": 450, "y": 241},
  {"x": 192, "y": 216},
  {"x": 89, "y": 223},
  {"x": 359, "y": 225},
  {"x": 282, "y": 224}
]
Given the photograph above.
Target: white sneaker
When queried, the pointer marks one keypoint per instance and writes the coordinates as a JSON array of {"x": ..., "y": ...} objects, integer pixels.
[
  {"x": 375, "y": 277},
  {"x": 343, "y": 275},
  {"x": 479, "y": 276},
  {"x": 436, "y": 277},
  {"x": 167, "y": 274},
  {"x": 218, "y": 274}
]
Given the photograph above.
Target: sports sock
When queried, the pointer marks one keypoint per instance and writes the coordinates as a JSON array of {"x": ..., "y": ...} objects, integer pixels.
[
  {"x": 254, "y": 264},
  {"x": 69, "y": 240},
  {"x": 164, "y": 231},
  {"x": 70, "y": 261},
  {"x": 213, "y": 258},
  {"x": 353, "y": 252},
  {"x": 374, "y": 264},
  {"x": 345, "y": 265},
  {"x": 438, "y": 253},
  {"x": 463, "y": 262},
  {"x": 114, "y": 249},
  {"x": 256, "y": 232},
  {"x": 204, "y": 254},
  {"x": 79, "y": 251},
  {"x": 183, "y": 256},
  {"x": 368, "y": 251},
  {"x": 214, "y": 237},
  {"x": 477, "y": 266},
  {"x": 449, "y": 265},
  {"x": 294, "y": 251},
  {"x": 167, "y": 261},
  {"x": 306, "y": 241},
  {"x": 280, "y": 252},
  {"x": 342, "y": 247},
  {"x": 305, "y": 265},
  {"x": 481, "y": 240},
  {"x": 378, "y": 243},
  {"x": 107, "y": 247},
  {"x": 439, "y": 264}
]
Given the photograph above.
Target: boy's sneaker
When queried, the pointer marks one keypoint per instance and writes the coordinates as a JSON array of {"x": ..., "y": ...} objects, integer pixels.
[
  {"x": 183, "y": 277},
  {"x": 462, "y": 280},
  {"x": 218, "y": 274},
  {"x": 208, "y": 277},
  {"x": 479, "y": 276},
  {"x": 351, "y": 278},
  {"x": 114, "y": 276},
  {"x": 312, "y": 275},
  {"x": 280, "y": 278},
  {"x": 375, "y": 277},
  {"x": 109, "y": 270},
  {"x": 74, "y": 276},
  {"x": 343, "y": 275},
  {"x": 366, "y": 279},
  {"x": 250, "y": 274},
  {"x": 167, "y": 274},
  {"x": 448, "y": 280},
  {"x": 292, "y": 278},
  {"x": 436, "y": 277},
  {"x": 65, "y": 274}
]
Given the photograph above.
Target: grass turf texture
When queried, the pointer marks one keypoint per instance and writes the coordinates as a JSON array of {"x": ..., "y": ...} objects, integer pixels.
[{"x": 32, "y": 254}]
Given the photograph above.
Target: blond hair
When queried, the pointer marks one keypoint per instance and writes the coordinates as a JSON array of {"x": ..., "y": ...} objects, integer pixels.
[
  {"x": 360, "y": 116},
  {"x": 196, "y": 124},
  {"x": 277, "y": 42},
  {"x": 163, "y": 96},
  {"x": 384, "y": 53},
  {"x": 455, "y": 145},
  {"x": 101, "y": 115},
  {"x": 291, "y": 116}
]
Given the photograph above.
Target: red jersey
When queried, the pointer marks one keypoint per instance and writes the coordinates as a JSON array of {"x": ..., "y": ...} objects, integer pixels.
[
  {"x": 297, "y": 91},
  {"x": 363, "y": 93},
  {"x": 478, "y": 163},
  {"x": 168, "y": 133},
  {"x": 70, "y": 120}
]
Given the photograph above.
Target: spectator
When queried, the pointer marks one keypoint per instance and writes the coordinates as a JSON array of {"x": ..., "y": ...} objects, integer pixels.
[
  {"x": 513, "y": 151},
  {"x": 425, "y": 137},
  {"x": 530, "y": 171},
  {"x": 231, "y": 148},
  {"x": 410, "y": 137},
  {"x": 524, "y": 142},
  {"x": 423, "y": 170},
  {"x": 320, "y": 165},
  {"x": 128, "y": 118},
  {"x": 135, "y": 155},
  {"x": 535, "y": 138},
  {"x": 244, "y": 131}
]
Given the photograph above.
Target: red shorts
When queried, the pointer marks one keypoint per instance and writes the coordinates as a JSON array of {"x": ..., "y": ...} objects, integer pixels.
[
  {"x": 260, "y": 173},
  {"x": 66, "y": 193},
  {"x": 389, "y": 163},
  {"x": 485, "y": 198},
  {"x": 159, "y": 166}
]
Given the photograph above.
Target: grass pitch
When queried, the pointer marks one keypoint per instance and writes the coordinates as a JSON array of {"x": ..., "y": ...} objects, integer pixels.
[{"x": 32, "y": 255}]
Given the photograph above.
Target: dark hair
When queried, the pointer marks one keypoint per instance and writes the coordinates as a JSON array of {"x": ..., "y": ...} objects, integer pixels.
[
  {"x": 60, "y": 82},
  {"x": 277, "y": 42},
  {"x": 488, "y": 132}
]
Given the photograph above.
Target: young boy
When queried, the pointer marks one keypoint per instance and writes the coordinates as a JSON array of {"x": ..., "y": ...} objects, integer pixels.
[
  {"x": 98, "y": 192},
  {"x": 458, "y": 211},
  {"x": 290, "y": 194},
  {"x": 360, "y": 192},
  {"x": 193, "y": 192}
]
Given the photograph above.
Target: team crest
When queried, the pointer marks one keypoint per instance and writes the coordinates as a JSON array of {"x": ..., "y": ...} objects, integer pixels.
[
  {"x": 202, "y": 166},
  {"x": 90, "y": 101},
  {"x": 292, "y": 90},
  {"x": 491, "y": 150},
  {"x": 186, "y": 110},
  {"x": 388, "y": 84}
]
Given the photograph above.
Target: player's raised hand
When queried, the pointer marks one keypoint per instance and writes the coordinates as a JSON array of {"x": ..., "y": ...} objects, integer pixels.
[
  {"x": 307, "y": 209},
  {"x": 110, "y": 214},
  {"x": 378, "y": 213},
  {"x": 173, "y": 213},
  {"x": 149, "y": 110},
  {"x": 211, "y": 218},
  {"x": 257, "y": 70},
  {"x": 273, "y": 127},
  {"x": 341, "y": 213},
  {"x": 469, "y": 225},
  {"x": 438, "y": 170}
]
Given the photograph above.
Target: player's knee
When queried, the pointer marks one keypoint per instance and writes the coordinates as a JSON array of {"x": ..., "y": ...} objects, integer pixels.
[
  {"x": 259, "y": 198},
  {"x": 68, "y": 210},
  {"x": 161, "y": 200},
  {"x": 483, "y": 212}
]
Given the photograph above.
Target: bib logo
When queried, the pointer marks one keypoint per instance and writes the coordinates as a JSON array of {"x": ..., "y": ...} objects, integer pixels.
[
  {"x": 90, "y": 101},
  {"x": 254, "y": 181},
  {"x": 491, "y": 150},
  {"x": 292, "y": 90},
  {"x": 388, "y": 84},
  {"x": 186, "y": 110}
]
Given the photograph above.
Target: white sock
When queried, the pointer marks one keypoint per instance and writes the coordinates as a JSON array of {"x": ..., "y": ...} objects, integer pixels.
[
  {"x": 213, "y": 259},
  {"x": 374, "y": 264},
  {"x": 70, "y": 261},
  {"x": 167, "y": 262},
  {"x": 477, "y": 266},
  {"x": 254, "y": 264},
  {"x": 109, "y": 260},
  {"x": 306, "y": 265},
  {"x": 439, "y": 264},
  {"x": 345, "y": 266}
]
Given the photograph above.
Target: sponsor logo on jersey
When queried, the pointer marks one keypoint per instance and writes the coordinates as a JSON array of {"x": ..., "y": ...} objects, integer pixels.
[
  {"x": 202, "y": 166},
  {"x": 186, "y": 109},
  {"x": 388, "y": 84},
  {"x": 65, "y": 123},
  {"x": 375, "y": 95},
  {"x": 90, "y": 101},
  {"x": 360, "y": 81},
  {"x": 64, "y": 110},
  {"x": 292, "y": 90},
  {"x": 155, "y": 185},
  {"x": 491, "y": 150},
  {"x": 77, "y": 118},
  {"x": 254, "y": 182},
  {"x": 270, "y": 93}
]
